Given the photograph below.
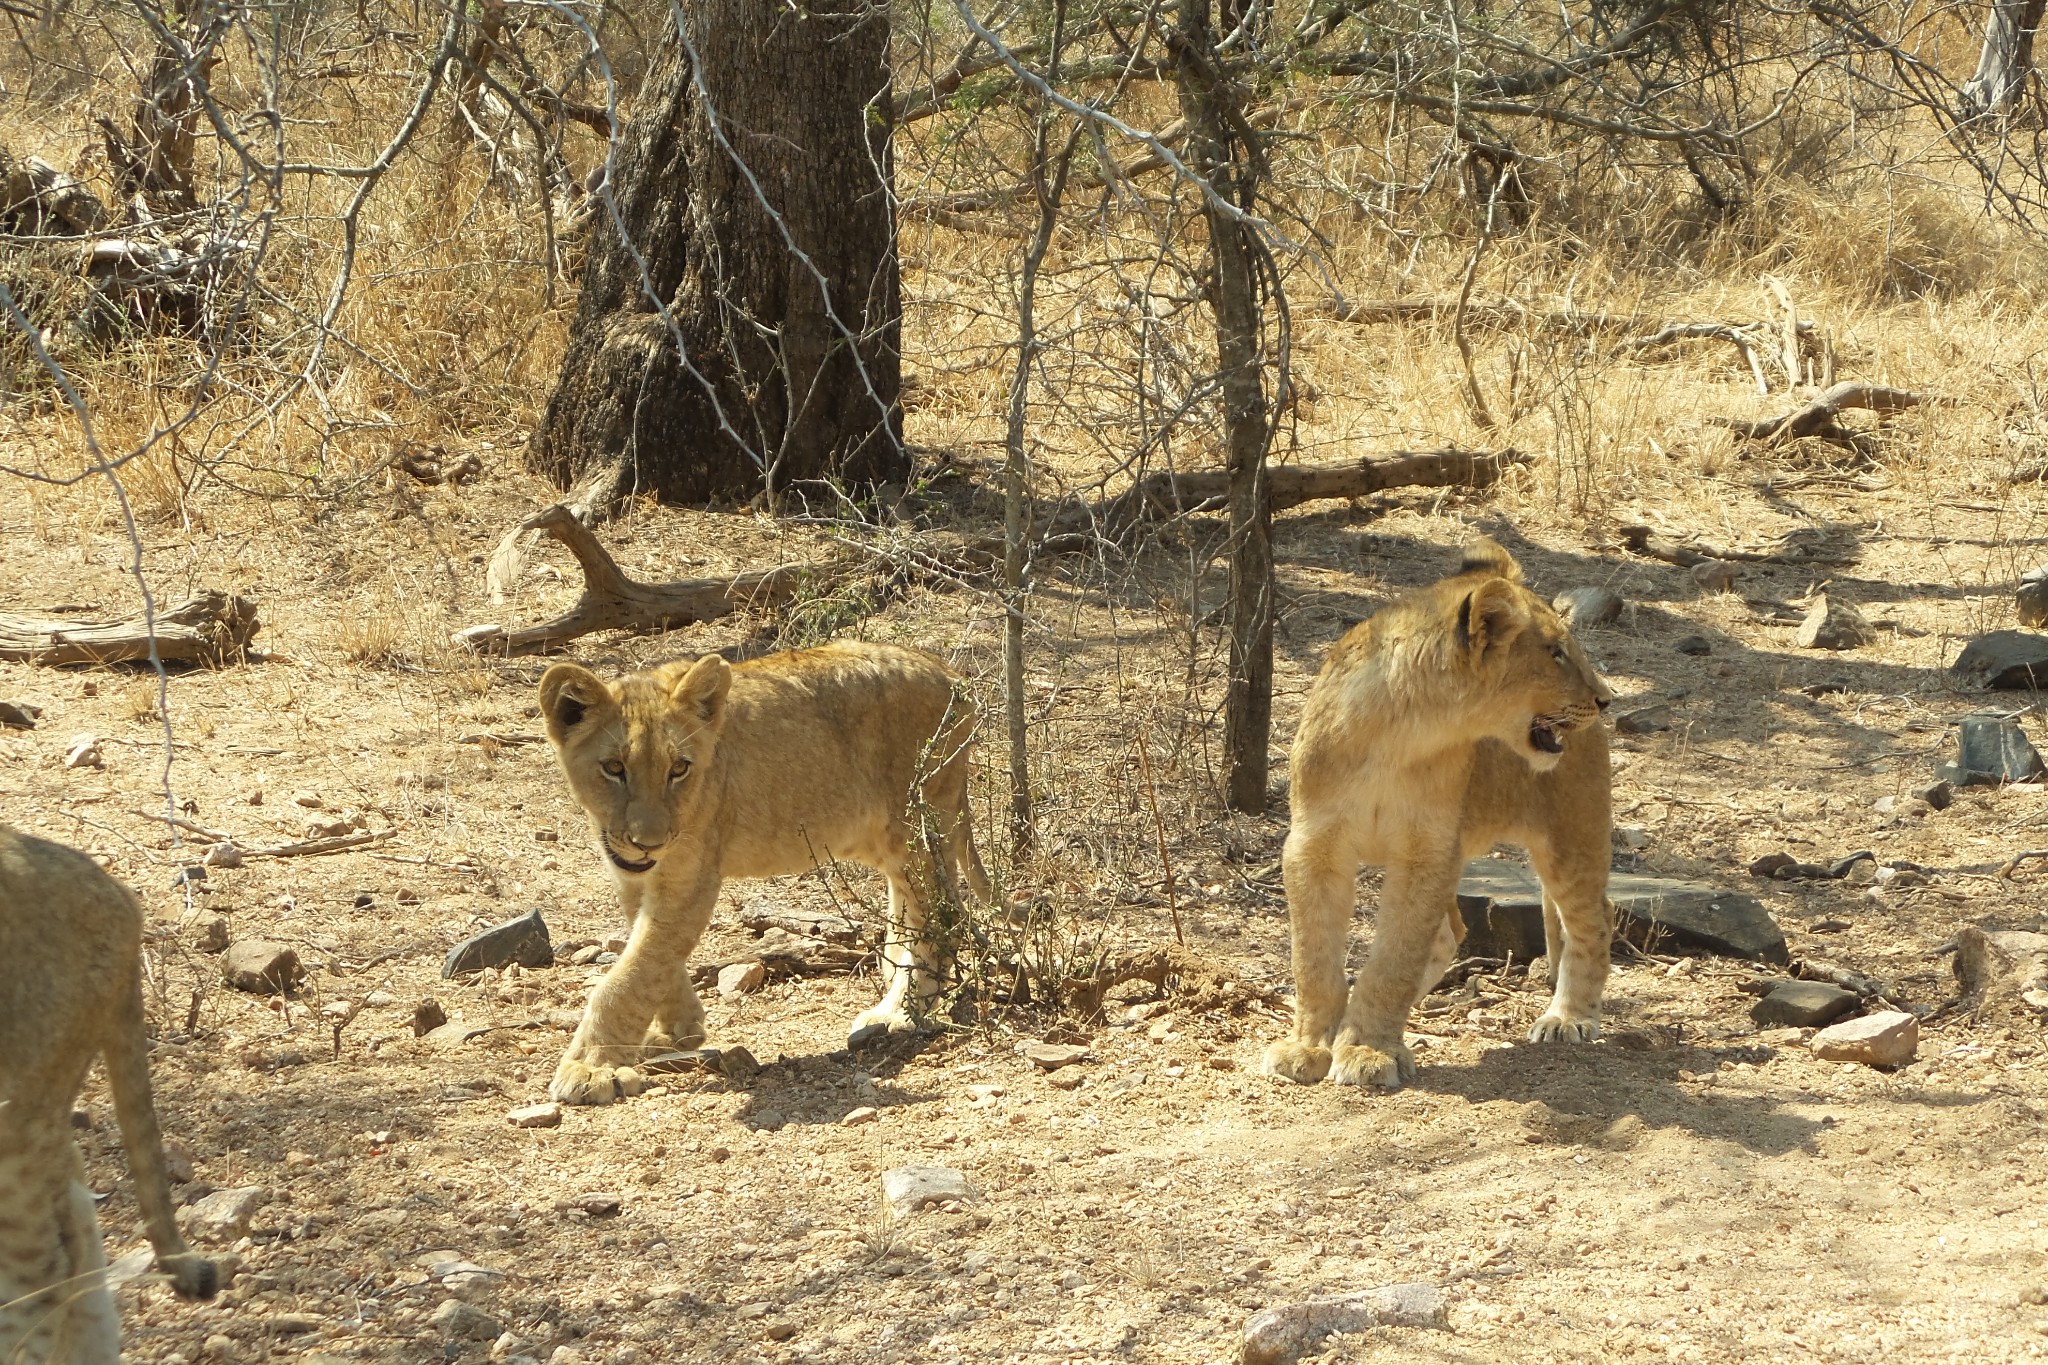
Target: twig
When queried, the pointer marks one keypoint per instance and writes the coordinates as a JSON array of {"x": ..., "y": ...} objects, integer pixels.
[
  {"x": 1159, "y": 828},
  {"x": 332, "y": 844},
  {"x": 210, "y": 835},
  {"x": 2012, "y": 864}
]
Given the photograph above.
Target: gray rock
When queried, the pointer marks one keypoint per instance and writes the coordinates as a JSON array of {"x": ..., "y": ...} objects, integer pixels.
[
  {"x": 1053, "y": 1056},
  {"x": 1502, "y": 905},
  {"x": 1890, "y": 1038},
  {"x": 1803, "y": 1004},
  {"x": 1940, "y": 796},
  {"x": 741, "y": 978},
  {"x": 1588, "y": 606},
  {"x": 210, "y": 935},
  {"x": 459, "y": 1321},
  {"x": 1991, "y": 750},
  {"x": 910, "y": 1188},
  {"x": 536, "y": 1116},
  {"x": 1644, "y": 720},
  {"x": 83, "y": 752},
  {"x": 2004, "y": 659},
  {"x": 1832, "y": 624},
  {"x": 1279, "y": 1336},
  {"x": 226, "y": 1215},
  {"x": 261, "y": 967},
  {"x": 18, "y": 715},
  {"x": 523, "y": 940}
]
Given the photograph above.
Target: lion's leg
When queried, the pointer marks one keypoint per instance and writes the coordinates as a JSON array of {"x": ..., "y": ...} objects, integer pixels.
[
  {"x": 1413, "y": 933},
  {"x": 1579, "y": 924},
  {"x": 1318, "y": 872},
  {"x": 909, "y": 957},
  {"x": 650, "y": 980}
]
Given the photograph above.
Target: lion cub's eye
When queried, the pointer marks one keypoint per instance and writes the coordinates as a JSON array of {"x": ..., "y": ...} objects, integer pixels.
[
  {"x": 613, "y": 768},
  {"x": 680, "y": 771}
]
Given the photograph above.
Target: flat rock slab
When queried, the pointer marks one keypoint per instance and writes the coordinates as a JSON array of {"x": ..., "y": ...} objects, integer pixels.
[
  {"x": 1991, "y": 750},
  {"x": 523, "y": 940},
  {"x": 226, "y": 1215},
  {"x": 1502, "y": 905},
  {"x": 261, "y": 967},
  {"x": 741, "y": 978},
  {"x": 1803, "y": 1004},
  {"x": 1889, "y": 1039},
  {"x": 2005, "y": 659},
  {"x": 1279, "y": 1336},
  {"x": 910, "y": 1188},
  {"x": 1053, "y": 1056}
]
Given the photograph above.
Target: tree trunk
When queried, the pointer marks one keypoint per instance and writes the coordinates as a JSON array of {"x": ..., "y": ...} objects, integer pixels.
[
  {"x": 2008, "y": 52},
  {"x": 1213, "y": 110},
  {"x": 740, "y": 319}
]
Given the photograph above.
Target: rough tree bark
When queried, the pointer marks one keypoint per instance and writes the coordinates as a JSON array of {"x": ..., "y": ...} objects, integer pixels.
[
  {"x": 788, "y": 311},
  {"x": 2008, "y": 52},
  {"x": 1219, "y": 150}
]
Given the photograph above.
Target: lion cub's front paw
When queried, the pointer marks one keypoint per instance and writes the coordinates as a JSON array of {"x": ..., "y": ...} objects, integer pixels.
[
  {"x": 1294, "y": 1060},
  {"x": 1358, "y": 1064},
  {"x": 875, "y": 1023},
  {"x": 1553, "y": 1027},
  {"x": 581, "y": 1083}
]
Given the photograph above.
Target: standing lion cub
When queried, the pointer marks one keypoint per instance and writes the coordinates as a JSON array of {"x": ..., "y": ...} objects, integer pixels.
[
  {"x": 1462, "y": 714},
  {"x": 70, "y": 991},
  {"x": 693, "y": 772}
]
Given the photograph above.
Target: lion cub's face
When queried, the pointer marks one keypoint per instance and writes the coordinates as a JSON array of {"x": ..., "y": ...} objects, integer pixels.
[
  {"x": 1524, "y": 656},
  {"x": 636, "y": 752}
]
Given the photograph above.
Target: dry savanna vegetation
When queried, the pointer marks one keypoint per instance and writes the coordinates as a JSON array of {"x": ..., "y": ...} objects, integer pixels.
[{"x": 291, "y": 350}]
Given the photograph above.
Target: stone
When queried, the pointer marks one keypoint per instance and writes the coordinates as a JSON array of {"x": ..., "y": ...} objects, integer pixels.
[
  {"x": 2004, "y": 659},
  {"x": 867, "y": 1113},
  {"x": 597, "y": 1203},
  {"x": 2031, "y": 601},
  {"x": 1696, "y": 645},
  {"x": 1715, "y": 575},
  {"x": 1890, "y": 1038},
  {"x": 426, "y": 1017},
  {"x": 2002, "y": 972},
  {"x": 1587, "y": 606},
  {"x": 535, "y": 1116},
  {"x": 18, "y": 715},
  {"x": 910, "y": 1188},
  {"x": 1066, "y": 1080},
  {"x": 1846, "y": 867},
  {"x": 308, "y": 801},
  {"x": 1279, "y": 1336},
  {"x": 741, "y": 978},
  {"x": 225, "y": 1215},
  {"x": 523, "y": 940},
  {"x": 761, "y": 913},
  {"x": 459, "y": 1321},
  {"x": 1991, "y": 750},
  {"x": 1941, "y": 795},
  {"x": 261, "y": 967},
  {"x": 1832, "y": 624},
  {"x": 1053, "y": 1056},
  {"x": 210, "y": 935},
  {"x": 454, "y": 1033},
  {"x": 1803, "y": 1004},
  {"x": 1644, "y": 720},
  {"x": 223, "y": 854},
  {"x": 83, "y": 752},
  {"x": 1631, "y": 838},
  {"x": 1502, "y": 905}
]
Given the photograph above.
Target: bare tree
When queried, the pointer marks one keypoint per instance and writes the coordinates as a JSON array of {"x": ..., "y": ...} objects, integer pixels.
[
  {"x": 738, "y": 329},
  {"x": 2007, "y": 56}
]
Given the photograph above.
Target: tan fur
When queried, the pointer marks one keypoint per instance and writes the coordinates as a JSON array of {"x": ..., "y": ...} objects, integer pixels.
[
  {"x": 70, "y": 991},
  {"x": 1416, "y": 752},
  {"x": 693, "y": 772}
]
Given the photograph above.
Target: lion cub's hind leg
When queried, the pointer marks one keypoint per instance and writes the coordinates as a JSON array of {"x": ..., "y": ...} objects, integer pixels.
[
  {"x": 909, "y": 956},
  {"x": 1578, "y": 927}
]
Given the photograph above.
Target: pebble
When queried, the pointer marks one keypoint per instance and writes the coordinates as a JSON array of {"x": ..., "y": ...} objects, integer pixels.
[
  {"x": 1066, "y": 1080},
  {"x": 1803, "y": 1004},
  {"x": 536, "y": 1116},
  {"x": 1279, "y": 1336},
  {"x": 211, "y": 935},
  {"x": 1053, "y": 1056},
  {"x": 1834, "y": 625},
  {"x": 910, "y": 1188},
  {"x": 1890, "y": 1038},
  {"x": 380, "y": 1000},
  {"x": 742, "y": 978},
  {"x": 226, "y": 1215},
  {"x": 459, "y": 1321},
  {"x": 83, "y": 752},
  {"x": 1219, "y": 1062},
  {"x": 867, "y": 1113},
  {"x": 261, "y": 967},
  {"x": 223, "y": 854},
  {"x": 309, "y": 800}
]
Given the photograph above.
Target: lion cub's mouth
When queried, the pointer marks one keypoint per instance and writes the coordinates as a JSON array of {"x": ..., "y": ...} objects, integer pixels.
[
  {"x": 1545, "y": 736},
  {"x": 624, "y": 864}
]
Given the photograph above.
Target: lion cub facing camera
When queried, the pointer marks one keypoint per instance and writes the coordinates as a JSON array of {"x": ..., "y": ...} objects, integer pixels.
[
  {"x": 1462, "y": 714},
  {"x": 70, "y": 991},
  {"x": 693, "y": 772}
]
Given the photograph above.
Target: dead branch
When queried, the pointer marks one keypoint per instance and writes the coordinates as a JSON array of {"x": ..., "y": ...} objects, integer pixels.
[
  {"x": 612, "y": 601},
  {"x": 211, "y": 628},
  {"x": 308, "y": 847},
  {"x": 1818, "y": 417},
  {"x": 1171, "y": 494},
  {"x": 1804, "y": 546}
]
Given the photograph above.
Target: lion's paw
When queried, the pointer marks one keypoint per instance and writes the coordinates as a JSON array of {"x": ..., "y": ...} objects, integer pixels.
[
  {"x": 1294, "y": 1060},
  {"x": 1358, "y": 1064},
  {"x": 581, "y": 1083},
  {"x": 873, "y": 1024},
  {"x": 1553, "y": 1027}
]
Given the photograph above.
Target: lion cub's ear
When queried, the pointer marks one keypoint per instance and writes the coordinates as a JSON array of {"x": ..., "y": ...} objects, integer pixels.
[
  {"x": 1485, "y": 555},
  {"x": 703, "y": 688},
  {"x": 568, "y": 694},
  {"x": 1489, "y": 616}
]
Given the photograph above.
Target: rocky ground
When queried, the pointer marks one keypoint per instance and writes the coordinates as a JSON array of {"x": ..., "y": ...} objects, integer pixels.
[{"x": 1696, "y": 1187}]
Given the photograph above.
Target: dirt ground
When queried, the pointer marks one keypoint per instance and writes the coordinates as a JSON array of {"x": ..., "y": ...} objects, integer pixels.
[{"x": 1692, "y": 1189}]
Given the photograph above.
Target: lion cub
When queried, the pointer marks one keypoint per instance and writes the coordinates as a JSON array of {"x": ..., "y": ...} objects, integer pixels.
[
  {"x": 70, "y": 991},
  {"x": 1462, "y": 714},
  {"x": 693, "y": 772}
]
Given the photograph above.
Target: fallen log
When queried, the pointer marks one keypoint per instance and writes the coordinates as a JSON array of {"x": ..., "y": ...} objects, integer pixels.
[
  {"x": 210, "y": 628},
  {"x": 1818, "y": 417},
  {"x": 612, "y": 601},
  {"x": 1171, "y": 494},
  {"x": 1807, "y": 545}
]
